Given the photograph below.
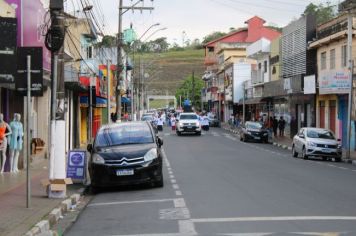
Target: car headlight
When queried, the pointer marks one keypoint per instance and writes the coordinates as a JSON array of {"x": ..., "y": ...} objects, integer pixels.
[
  {"x": 150, "y": 155},
  {"x": 97, "y": 159},
  {"x": 265, "y": 134},
  {"x": 248, "y": 132},
  {"x": 339, "y": 146},
  {"x": 311, "y": 144},
  {"x": 197, "y": 123}
]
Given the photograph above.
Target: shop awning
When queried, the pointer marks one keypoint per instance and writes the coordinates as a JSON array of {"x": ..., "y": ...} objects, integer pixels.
[
  {"x": 99, "y": 102},
  {"x": 125, "y": 100}
]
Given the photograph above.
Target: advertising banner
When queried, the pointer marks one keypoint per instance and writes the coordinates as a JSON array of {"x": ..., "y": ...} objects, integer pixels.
[
  {"x": 334, "y": 82},
  {"x": 76, "y": 164},
  {"x": 36, "y": 71},
  {"x": 8, "y": 45},
  {"x": 34, "y": 18}
]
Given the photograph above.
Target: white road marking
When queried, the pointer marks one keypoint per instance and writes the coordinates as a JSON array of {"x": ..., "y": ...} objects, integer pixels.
[
  {"x": 332, "y": 165},
  {"x": 169, "y": 168},
  {"x": 354, "y": 170},
  {"x": 179, "y": 202},
  {"x": 299, "y": 233},
  {"x": 175, "y": 186},
  {"x": 186, "y": 227},
  {"x": 342, "y": 168},
  {"x": 174, "y": 214},
  {"x": 273, "y": 218},
  {"x": 130, "y": 202},
  {"x": 178, "y": 193},
  {"x": 173, "y": 181},
  {"x": 170, "y": 172},
  {"x": 171, "y": 176}
]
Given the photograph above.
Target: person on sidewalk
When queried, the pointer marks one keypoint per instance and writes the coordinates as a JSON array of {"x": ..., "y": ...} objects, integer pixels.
[
  {"x": 275, "y": 126},
  {"x": 173, "y": 123},
  {"x": 160, "y": 123},
  {"x": 281, "y": 126}
]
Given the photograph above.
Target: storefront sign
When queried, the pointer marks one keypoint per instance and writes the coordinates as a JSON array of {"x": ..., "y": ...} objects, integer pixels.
[
  {"x": 334, "y": 82},
  {"x": 309, "y": 84},
  {"x": 76, "y": 164},
  {"x": 36, "y": 71},
  {"x": 8, "y": 44}
]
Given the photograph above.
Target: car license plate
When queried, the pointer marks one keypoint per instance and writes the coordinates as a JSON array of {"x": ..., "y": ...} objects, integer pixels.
[
  {"x": 189, "y": 127},
  {"x": 257, "y": 138},
  {"x": 124, "y": 172},
  {"x": 326, "y": 150}
]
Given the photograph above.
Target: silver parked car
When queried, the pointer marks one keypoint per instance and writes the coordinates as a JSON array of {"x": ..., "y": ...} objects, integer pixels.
[{"x": 316, "y": 142}]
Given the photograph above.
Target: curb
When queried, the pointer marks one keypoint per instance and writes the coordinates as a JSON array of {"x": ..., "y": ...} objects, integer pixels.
[{"x": 44, "y": 226}]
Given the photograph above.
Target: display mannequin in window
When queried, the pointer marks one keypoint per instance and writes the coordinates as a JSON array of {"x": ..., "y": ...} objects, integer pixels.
[
  {"x": 16, "y": 142},
  {"x": 5, "y": 130}
]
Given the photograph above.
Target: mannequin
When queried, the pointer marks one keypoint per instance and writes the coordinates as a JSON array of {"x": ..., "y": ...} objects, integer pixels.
[
  {"x": 15, "y": 142},
  {"x": 5, "y": 130}
]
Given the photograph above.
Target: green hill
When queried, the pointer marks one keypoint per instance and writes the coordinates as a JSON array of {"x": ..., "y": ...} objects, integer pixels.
[{"x": 168, "y": 70}]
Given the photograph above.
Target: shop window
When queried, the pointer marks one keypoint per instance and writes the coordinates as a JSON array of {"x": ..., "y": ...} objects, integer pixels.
[{"x": 274, "y": 70}]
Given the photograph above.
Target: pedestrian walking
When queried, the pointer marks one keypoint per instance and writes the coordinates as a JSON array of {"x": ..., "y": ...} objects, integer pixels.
[
  {"x": 275, "y": 126},
  {"x": 205, "y": 123},
  {"x": 281, "y": 126},
  {"x": 173, "y": 123},
  {"x": 160, "y": 123}
]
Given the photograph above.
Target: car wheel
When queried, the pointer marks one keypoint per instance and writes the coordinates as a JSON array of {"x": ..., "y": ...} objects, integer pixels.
[
  {"x": 294, "y": 153},
  {"x": 198, "y": 133},
  {"x": 304, "y": 154},
  {"x": 159, "y": 183},
  {"x": 324, "y": 158},
  {"x": 178, "y": 133},
  {"x": 338, "y": 159}
]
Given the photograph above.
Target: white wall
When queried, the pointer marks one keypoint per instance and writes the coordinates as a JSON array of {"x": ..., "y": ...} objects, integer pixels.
[{"x": 242, "y": 72}]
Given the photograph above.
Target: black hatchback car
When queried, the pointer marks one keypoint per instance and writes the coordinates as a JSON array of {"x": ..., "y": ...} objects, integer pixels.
[
  {"x": 253, "y": 131},
  {"x": 126, "y": 154}
]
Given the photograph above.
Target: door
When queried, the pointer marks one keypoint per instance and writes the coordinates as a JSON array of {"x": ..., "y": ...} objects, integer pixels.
[
  {"x": 332, "y": 115},
  {"x": 322, "y": 114}
]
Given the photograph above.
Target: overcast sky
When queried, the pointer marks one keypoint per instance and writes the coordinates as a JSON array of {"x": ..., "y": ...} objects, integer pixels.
[{"x": 197, "y": 18}]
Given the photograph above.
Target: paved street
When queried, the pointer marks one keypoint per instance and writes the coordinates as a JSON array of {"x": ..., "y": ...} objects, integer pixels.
[{"x": 217, "y": 185}]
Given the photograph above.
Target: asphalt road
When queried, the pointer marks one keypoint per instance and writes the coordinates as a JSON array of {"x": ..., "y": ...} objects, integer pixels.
[{"x": 217, "y": 185}]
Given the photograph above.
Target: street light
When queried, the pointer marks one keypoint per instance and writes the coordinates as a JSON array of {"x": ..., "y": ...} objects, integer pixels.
[
  {"x": 155, "y": 32},
  {"x": 154, "y": 25}
]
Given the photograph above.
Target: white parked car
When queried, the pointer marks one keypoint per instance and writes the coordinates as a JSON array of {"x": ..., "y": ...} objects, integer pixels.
[
  {"x": 188, "y": 122},
  {"x": 316, "y": 142}
]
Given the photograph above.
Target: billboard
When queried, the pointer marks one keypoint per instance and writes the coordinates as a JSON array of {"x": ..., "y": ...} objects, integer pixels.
[
  {"x": 8, "y": 44},
  {"x": 35, "y": 18},
  {"x": 241, "y": 73},
  {"x": 334, "y": 82}
]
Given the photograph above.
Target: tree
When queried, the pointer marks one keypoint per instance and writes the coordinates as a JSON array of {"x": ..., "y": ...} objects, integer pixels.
[
  {"x": 108, "y": 41},
  {"x": 213, "y": 36},
  {"x": 322, "y": 12},
  {"x": 187, "y": 87}
]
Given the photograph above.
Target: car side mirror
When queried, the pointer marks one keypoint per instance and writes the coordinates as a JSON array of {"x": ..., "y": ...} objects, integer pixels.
[
  {"x": 90, "y": 147},
  {"x": 339, "y": 140},
  {"x": 159, "y": 142},
  {"x": 177, "y": 119}
]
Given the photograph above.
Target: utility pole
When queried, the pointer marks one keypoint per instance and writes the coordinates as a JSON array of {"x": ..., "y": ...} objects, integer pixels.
[
  {"x": 350, "y": 66},
  {"x": 120, "y": 64},
  {"x": 108, "y": 90},
  {"x": 54, "y": 42},
  {"x": 243, "y": 102}
]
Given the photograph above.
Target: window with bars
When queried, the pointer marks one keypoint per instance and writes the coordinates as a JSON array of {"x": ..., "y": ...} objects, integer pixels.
[
  {"x": 343, "y": 56},
  {"x": 332, "y": 59},
  {"x": 323, "y": 60}
]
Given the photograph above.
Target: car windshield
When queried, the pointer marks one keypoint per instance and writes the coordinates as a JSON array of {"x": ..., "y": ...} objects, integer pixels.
[
  {"x": 124, "y": 134},
  {"x": 188, "y": 117},
  {"x": 147, "y": 118},
  {"x": 253, "y": 125},
  {"x": 323, "y": 134}
]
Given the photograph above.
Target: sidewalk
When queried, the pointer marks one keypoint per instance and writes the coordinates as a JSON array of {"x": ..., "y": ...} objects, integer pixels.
[
  {"x": 15, "y": 218},
  {"x": 286, "y": 143}
]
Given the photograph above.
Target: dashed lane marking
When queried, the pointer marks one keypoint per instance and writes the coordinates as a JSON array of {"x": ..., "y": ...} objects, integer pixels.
[
  {"x": 179, "y": 193},
  {"x": 173, "y": 181},
  {"x": 171, "y": 176},
  {"x": 179, "y": 202},
  {"x": 175, "y": 186}
]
